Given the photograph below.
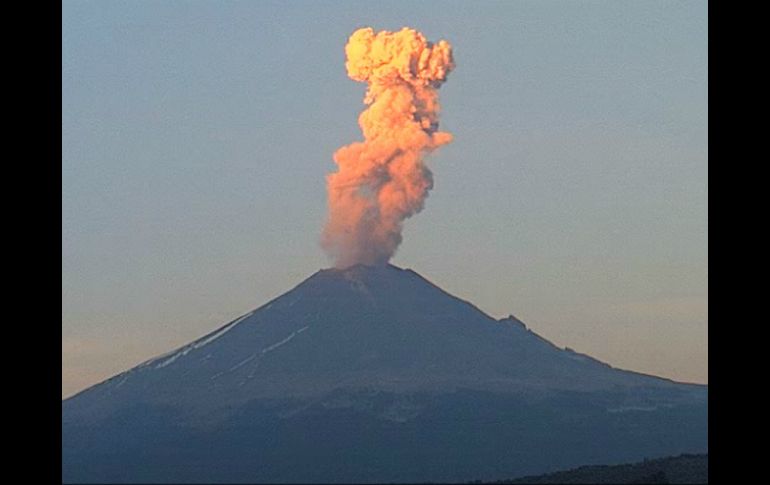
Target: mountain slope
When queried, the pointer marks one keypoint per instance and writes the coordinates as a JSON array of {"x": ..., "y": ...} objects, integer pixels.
[
  {"x": 370, "y": 374},
  {"x": 672, "y": 469}
]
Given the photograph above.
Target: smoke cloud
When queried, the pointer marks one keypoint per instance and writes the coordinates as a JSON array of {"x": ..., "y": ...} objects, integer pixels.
[{"x": 382, "y": 180}]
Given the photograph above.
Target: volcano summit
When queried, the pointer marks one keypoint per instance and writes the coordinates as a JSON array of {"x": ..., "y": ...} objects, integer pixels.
[{"x": 371, "y": 374}]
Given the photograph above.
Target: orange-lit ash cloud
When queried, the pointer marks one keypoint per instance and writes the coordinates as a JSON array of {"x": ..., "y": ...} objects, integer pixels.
[{"x": 382, "y": 180}]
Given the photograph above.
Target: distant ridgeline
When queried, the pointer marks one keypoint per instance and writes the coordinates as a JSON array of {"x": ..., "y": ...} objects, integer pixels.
[{"x": 684, "y": 468}]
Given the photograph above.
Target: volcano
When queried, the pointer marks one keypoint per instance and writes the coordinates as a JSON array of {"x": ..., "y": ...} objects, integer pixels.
[{"x": 372, "y": 374}]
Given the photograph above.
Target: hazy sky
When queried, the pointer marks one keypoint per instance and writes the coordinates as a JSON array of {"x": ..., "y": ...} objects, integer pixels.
[{"x": 196, "y": 136}]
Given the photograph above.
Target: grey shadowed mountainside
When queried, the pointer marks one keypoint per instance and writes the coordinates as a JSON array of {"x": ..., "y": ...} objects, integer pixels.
[
  {"x": 372, "y": 374},
  {"x": 684, "y": 468}
]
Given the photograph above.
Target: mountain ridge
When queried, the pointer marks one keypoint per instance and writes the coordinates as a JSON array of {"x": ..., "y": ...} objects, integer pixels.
[
  {"x": 350, "y": 273},
  {"x": 385, "y": 348}
]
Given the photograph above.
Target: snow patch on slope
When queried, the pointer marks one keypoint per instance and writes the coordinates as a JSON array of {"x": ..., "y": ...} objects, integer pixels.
[
  {"x": 261, "y": 352},
  {"x": 172, "y": 356},
  {"x": 276, "y": 345}
]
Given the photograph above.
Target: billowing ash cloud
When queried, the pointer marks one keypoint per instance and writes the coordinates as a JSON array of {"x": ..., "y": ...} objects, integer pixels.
[{"x": 382, "y": 180}]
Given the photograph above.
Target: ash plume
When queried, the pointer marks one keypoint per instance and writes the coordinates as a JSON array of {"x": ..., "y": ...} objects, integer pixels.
[{"x": 383, "y": 180}]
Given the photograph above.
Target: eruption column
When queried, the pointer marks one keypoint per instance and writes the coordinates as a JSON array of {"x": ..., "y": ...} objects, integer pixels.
[{"x": 382, "y": 180}]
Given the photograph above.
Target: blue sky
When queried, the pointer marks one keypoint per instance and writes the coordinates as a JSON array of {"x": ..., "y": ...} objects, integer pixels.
[{"x": 196, "y": 136}]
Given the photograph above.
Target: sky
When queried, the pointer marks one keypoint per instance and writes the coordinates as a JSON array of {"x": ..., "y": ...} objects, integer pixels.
[{"x": 196, "y": 137}]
